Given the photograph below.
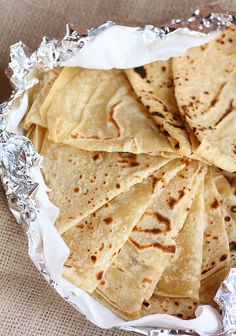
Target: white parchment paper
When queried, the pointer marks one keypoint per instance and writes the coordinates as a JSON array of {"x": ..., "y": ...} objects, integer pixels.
[{"x": 115, "y": 47}]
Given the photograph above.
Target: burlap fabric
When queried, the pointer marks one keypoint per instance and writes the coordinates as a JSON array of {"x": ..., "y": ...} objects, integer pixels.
[{"x": 28, "y": 306}]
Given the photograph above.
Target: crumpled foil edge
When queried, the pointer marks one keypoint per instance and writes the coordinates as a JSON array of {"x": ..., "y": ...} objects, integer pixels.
[{"x": 18, "y": 157}]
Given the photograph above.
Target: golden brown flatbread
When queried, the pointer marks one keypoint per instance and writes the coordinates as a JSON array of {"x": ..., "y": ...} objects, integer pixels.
[
  {"x": 153, "y": 84},
  {"x": 97, "y": 110},
  {"x": 183, "y": 277},
  {"x": 205, "y": 82},
  {"x": 95, "y": 241},
  {"x": 151, "y": 246},
  {"x": 83, "y": 181}
]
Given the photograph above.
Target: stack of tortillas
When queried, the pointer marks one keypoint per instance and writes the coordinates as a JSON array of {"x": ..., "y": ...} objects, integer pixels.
[{"x": 140, "y": 163}]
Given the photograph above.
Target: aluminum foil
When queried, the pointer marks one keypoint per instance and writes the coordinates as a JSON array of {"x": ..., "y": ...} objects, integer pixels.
[{"x": 18, "y": 157}]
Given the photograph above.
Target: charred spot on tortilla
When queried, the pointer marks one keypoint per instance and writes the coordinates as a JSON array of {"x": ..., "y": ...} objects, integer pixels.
[
  {"x": 96, "y": 156},
  {"x": 165, "y": 248},
  {"x": 101, "y": 248},
  {"x": 232, "y": 246},
  {"x": 112, "y": 119},
  {"x": 203, "y": 47},
  {"x": 215, "y": 204},
  {"x": 227, "y": 111},
  {"x": 147, "y": 280},
  {"x": 158, "y": 114},
  {"x": 223, "y": 257},
  {"x": 177, "y": 126},
  {"x": 233, "y": 208},
  {"x": 179, "y": 315},
  {"x": 146, "y": 303},
  {"x": 173, "y": 201},
  {"x": 155, "y": 180},
  {"x": 152, "y": 230},
  {"x": 141, "y": 71},
  {"x": 108, "y": 220},
  {"x": 94, "y": 259},
  {"x": 160, "y": 218},
  {"x": 99, "y": 275}
]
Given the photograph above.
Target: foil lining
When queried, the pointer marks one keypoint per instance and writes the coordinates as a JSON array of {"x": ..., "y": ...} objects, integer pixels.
[
  {"x": 226, "y": 299},
  {"x": 18, "y": 157}
]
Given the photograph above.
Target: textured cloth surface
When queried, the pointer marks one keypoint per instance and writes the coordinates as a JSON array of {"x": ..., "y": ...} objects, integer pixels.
[{"x": 28, "y": 306}]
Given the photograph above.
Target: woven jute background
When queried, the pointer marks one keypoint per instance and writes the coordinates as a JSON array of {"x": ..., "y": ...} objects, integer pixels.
[{"x": 28, "y": 306}]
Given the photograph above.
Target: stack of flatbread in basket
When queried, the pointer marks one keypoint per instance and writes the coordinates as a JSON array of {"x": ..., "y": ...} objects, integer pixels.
[{"x": 141, "y": 164}]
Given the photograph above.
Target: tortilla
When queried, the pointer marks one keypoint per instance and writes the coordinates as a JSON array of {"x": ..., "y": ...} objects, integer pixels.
[
  {"x": 153, "y": 84},
  {"x": 97, "y": 110},
  {"x": 182, "y": 278},
  {"x": 180, "y": 307},
  {"x": 228, "y": 208},
  {"x": 133, "y": 275},
  {"x": 216, "y": 254},
  {"x": 205, "y": 81},
  {"x": 185, "y": 307},
  {"x": 37, "y": 96},
  {"x": 83, "y": 181},
  {"x": 95, "y": 241}
]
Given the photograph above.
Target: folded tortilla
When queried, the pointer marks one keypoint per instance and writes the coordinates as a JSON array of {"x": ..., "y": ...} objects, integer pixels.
[
  {"x": 184, "y": 307},
  {"x": 83, "y": 181},
  {"x": 37, "y": 95},
  {"x": 205, "y": 82},
  {"x": 216, "y": 254},
  {"x": 180, "y": 307},
  {"x": 153, "y": 84},
  {"x": 95, "y": 241},
  {"x": 228, "y": 208},
  {"x": 98, "y": 110},
  {"x": 183, "y": 277},
  {"x": 133, "y": 275}
]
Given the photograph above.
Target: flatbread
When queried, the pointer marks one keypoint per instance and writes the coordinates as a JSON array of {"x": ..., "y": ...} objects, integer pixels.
[
  {"x": 97, "y": 110},
  {"x": 95, "y": 241},
  {"x": 205, "y": 81},
  {"x": 180, "y": 307},
  {"x": 216, "y": 254},
  {"x": 133, "y": 275},
  {"x": 83, "y": 181},
  {"x": 37, "y": 95},
  {"x": 185, "y": 307},
  {"x": 183, "y": 277},
  {"x": 153, "y": 84},
  {"x": 228, "y": 208}
]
